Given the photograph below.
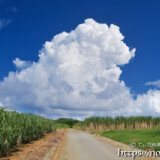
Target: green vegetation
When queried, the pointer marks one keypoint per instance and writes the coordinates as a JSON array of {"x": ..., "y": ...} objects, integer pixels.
[
  {"x": 105, "y": 123},
  {"x": 144, "y": 139},
  {"x": 61, "y": 125},
  {"x": 68, "y": 121},
  {"x": 141, "y": 130},
  {"x": 19, "y": 128}
]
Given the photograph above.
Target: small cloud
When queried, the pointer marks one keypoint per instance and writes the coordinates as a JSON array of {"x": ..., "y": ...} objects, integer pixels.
[
  {"x": 1, "y": 104},
  {"x": 4, "y": 23},
  {"x": 154, "y": 83},
  {"x": 21, "y": 64},
  {"x": 12, "y": 9}
]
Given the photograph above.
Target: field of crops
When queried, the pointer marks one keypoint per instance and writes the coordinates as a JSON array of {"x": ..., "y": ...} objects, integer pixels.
[
  {"x": 19, "y": 128},
  {"x": 105, "y": 123}
]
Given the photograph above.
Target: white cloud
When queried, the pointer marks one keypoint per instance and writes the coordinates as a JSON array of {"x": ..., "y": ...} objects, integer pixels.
[
  {"x": 154, "y": 83},
  {"x": 4, "y": 22},
  {"x": 1, "y": 104},
  {"x": 77, "y": 75},
  {"x": 149, "y": 103},
  {"x": 21, "y": 64}
]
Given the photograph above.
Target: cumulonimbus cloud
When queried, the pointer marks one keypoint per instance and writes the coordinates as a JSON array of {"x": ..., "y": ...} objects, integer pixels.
[{"x": 77, "y": 75}]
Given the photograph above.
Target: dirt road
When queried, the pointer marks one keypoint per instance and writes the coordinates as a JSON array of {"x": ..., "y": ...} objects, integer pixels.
[{"x": 83, "y": 146}]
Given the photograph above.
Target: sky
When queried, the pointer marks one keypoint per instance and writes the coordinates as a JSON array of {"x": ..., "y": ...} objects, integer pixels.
[{"x": 80, "y": 58}]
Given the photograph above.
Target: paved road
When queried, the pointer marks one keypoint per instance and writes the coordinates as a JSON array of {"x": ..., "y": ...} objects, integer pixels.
[{"x": 83, "y": 146}]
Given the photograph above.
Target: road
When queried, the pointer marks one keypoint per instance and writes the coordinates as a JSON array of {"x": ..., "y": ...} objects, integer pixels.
[{"x": 83, "y": 146}]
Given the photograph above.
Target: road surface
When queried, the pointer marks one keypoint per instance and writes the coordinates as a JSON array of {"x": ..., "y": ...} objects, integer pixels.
[{"x": 83, "y": 146}]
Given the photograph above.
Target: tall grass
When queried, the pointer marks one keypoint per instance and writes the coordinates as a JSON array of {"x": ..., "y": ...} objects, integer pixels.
[
  {"x": 19, "y": 128},
  {"x": 104, "y": 123}
]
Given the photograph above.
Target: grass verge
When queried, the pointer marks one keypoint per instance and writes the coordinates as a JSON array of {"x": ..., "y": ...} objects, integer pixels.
[{"x": 143, "y": 139}]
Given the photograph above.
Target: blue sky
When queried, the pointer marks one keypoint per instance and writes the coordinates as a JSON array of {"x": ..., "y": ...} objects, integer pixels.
[
  {"x": 34, "y": 22},
  {"x": 29, "y": 24}
]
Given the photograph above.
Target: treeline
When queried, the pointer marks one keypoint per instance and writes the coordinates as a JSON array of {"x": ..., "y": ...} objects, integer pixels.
[
  {"x": 109, "y": 123},
  {"x": 68, "y": 121},
  {"x": 19, "y": 128}
]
